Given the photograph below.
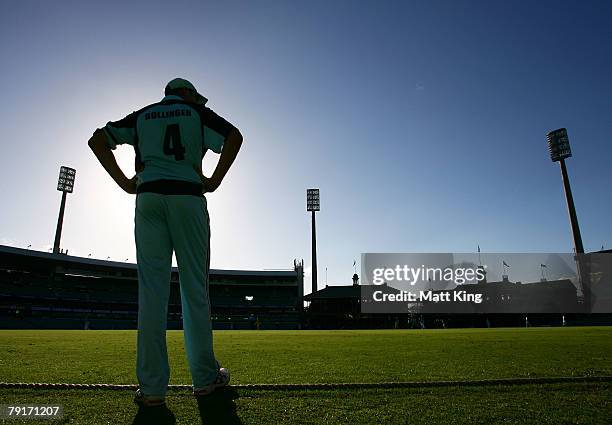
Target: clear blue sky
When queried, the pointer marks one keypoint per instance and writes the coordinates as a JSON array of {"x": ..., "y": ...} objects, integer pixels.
[{"x": 423, "y": 123}]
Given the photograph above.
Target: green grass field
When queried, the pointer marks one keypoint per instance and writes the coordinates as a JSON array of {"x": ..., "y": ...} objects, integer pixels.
[{"x": 327, "y": 357}]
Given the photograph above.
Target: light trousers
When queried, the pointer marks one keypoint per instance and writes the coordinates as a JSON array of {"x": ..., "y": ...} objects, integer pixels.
[{"x": 163, "y": 224}]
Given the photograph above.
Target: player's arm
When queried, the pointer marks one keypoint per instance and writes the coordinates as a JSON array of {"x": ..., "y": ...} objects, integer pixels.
[
  {"x": 231, "y": 147},
  {"x": 101, "y": 148}
]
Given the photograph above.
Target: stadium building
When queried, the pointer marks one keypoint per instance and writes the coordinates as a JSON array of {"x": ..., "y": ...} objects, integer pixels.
[
  {"x": 544, "y": 303},
  {"x": 339, "y": 307},
  {"x": 57, "y": 291}
]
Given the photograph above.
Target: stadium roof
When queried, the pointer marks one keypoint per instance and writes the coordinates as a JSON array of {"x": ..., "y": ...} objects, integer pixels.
[
  {"x": 43, "y": 260},
  {"x": 350, "y": 291}
]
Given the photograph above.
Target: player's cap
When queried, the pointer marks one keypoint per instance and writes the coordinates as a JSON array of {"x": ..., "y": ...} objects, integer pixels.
[{"x": 181, "y": 83}]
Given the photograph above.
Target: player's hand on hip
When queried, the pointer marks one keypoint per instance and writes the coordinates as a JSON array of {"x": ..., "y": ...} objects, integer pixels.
[
  {"x": 209, "y": 184},
  {"x": 129, "y": 185}
]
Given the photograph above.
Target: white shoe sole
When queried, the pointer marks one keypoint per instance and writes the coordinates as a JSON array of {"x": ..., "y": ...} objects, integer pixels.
[{"x": 212, "y": 387}]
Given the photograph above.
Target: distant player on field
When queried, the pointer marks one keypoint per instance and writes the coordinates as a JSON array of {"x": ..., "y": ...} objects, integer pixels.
[{"x": 170, "y": 139}]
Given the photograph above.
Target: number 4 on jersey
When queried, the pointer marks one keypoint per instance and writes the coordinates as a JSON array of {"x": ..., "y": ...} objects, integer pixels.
[{"x": 172, "y": 142}]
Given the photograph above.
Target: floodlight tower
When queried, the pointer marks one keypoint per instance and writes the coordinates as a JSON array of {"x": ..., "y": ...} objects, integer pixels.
[
  {"x": 313, "y": 204},
  {"x": 559, "y": 147},
  {"x": 65, "y": 184}
]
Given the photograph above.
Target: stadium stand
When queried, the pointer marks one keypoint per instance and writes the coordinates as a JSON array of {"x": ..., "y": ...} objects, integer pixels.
[
  {"x": 55, "y": 291},
  {"x": 544, "y": 303}
]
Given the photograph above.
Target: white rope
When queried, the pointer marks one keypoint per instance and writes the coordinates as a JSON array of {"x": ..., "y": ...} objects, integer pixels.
[{"x": 333, "y": 386}]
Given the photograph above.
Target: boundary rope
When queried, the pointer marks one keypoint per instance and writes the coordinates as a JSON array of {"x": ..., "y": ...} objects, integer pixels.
[{"x": 333, "y": 386}]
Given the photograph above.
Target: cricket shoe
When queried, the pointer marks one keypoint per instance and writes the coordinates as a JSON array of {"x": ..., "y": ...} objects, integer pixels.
[
  {"x": 152, "y": 411},
  {"x": 142, "y": 401},
  {"x": 222, "y": 379}
]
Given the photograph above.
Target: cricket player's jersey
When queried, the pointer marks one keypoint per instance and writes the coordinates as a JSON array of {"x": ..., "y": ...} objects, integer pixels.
[{"x": 170, "y": 138}]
